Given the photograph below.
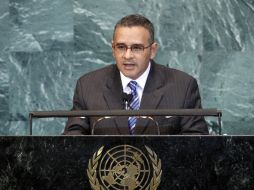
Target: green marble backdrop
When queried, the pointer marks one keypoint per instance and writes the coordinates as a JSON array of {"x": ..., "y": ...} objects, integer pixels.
[{"x": 45, "y": 46}]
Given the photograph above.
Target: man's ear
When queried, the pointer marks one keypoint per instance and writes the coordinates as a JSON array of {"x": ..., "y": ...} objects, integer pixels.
[
  {"x": 154, "y": 48},
  {"x": 112, "y": 47}
]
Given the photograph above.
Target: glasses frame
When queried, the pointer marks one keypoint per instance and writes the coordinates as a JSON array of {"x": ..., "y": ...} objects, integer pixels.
[{"x": 131, "y": 48}]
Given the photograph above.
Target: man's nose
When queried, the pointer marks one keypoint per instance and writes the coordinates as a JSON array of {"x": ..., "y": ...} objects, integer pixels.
[{"x": 128, "y": 54}]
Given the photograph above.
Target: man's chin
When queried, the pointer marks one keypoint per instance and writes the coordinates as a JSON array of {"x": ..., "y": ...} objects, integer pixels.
[{"x": 130, "y": 75}]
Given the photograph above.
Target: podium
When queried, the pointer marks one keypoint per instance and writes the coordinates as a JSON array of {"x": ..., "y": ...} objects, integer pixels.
[{"x": 76, "y": 162}]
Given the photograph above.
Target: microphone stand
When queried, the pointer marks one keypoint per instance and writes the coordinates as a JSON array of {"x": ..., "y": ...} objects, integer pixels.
[{"x": 126, "y": 100}]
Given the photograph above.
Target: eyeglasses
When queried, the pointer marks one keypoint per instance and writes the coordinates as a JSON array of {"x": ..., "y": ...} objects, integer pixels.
[{"x": 135, "y": 48}]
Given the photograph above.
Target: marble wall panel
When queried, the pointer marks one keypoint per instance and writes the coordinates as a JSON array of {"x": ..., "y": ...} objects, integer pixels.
[
  {"x": 4, "y": 97},
  {"x": 41, "y": 25},
  {"x": 229, "y": 86},
  {"x": 40, "y": 81},
  {"x": 228, "y": 25},
  {"x": 4, "y": 27}
]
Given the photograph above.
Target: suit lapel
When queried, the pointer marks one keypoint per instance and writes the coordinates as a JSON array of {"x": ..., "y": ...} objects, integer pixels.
[
  {"x": 113, "y": 97},
  {"x": 152, "y": 93}
]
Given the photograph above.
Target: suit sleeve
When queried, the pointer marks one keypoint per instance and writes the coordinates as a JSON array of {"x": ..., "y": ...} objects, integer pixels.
[
  {"x": 77, "y": 125},
  {"x": 193, "y": 124}
]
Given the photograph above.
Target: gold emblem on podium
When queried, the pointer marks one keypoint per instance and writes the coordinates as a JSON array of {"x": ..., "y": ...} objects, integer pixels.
[{"x": 124, "y": 167}]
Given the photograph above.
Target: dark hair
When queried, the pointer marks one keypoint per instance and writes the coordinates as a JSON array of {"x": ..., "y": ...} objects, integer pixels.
[{"x": 136, "y": 20}]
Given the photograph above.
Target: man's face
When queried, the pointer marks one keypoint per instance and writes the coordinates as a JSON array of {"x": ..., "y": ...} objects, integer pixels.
[{"x": 132, "y": 63}]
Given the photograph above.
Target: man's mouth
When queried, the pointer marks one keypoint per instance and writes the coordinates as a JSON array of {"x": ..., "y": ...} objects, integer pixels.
[{"x": 128, "y": 65}]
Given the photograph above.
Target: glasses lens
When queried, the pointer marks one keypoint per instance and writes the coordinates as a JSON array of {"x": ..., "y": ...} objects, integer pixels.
[
  {"x": 121, "y": 47},
  {"x": 137, "y": 48}
]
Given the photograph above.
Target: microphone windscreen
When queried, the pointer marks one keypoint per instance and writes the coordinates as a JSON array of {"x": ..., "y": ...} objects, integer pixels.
[{"x": 127, "y": 97}]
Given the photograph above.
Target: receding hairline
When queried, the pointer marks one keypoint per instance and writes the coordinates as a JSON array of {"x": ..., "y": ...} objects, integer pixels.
[{"x": 136, "y": 20}]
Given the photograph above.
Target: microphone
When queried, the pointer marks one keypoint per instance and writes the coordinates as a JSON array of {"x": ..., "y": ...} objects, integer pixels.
[{"x": 126, "y": 100}]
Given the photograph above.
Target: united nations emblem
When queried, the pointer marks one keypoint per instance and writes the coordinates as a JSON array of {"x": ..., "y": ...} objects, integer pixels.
[{"x": 124, "y": 167}]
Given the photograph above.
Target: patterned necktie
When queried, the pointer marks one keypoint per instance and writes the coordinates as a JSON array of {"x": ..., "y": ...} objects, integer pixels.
[{"x": 134, "y": 104}]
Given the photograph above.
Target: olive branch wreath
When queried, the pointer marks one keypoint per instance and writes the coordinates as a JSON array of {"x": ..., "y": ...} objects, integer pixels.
[
  {"x": 93, "y": 163},
  {"x": 155, "y": 181},
  {"x": 91, "y": 171}
]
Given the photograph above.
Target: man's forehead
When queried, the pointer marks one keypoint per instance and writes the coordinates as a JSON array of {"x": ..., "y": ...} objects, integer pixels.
[{"x": 135, "y": 34}]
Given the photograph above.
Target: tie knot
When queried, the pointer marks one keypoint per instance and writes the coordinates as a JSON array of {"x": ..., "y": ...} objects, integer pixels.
[{"x": 133, "y": 85}]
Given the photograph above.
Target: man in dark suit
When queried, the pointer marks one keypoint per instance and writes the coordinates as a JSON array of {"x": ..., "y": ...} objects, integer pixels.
[{"x": 152, "y": 86}]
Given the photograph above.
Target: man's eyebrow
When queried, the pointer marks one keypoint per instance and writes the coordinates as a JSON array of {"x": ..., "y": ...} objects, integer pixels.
[
  {"x": 120, "y": 43},
  {"x": 135, "y": 44}
]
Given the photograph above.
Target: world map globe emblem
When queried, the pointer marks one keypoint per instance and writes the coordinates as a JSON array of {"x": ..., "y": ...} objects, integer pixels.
[{"x": 124, "y": 167}]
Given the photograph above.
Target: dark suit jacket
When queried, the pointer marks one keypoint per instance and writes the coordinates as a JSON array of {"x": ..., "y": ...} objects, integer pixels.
[{"x": 165, "y": 88}]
